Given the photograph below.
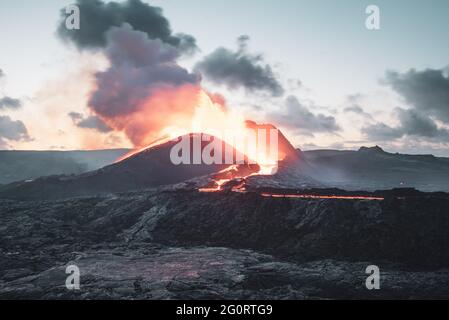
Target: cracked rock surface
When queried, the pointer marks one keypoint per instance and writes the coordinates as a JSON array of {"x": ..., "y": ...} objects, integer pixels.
[{"x": 181, "y": 244}]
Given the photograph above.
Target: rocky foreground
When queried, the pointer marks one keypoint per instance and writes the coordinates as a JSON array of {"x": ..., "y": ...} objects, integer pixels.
[{"x": 171, "y": 243}]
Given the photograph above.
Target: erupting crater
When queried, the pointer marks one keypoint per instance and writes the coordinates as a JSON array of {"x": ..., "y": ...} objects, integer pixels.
[{"x": 206, "y": 141}]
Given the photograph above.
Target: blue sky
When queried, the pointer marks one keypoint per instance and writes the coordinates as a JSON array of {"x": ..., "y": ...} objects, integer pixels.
[{"x": 322, "y": 43}]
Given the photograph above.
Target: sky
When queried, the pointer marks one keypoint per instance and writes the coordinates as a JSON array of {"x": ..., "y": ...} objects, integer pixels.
[{"x": 311, "y": 67}]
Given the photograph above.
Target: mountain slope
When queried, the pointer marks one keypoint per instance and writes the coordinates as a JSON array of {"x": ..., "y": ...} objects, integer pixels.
[{"x": 148, "y": 168}]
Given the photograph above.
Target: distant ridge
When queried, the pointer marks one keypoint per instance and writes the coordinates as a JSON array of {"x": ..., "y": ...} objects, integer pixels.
[
  {"x": 375, "y": 149},
  {"x": 371, "y": 168},
  {"x": 16, "y": 165}
]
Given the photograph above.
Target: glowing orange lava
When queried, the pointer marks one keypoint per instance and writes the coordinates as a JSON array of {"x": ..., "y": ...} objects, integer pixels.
[
  {"x": 312, "y": 196},
  {"x": 219, "y": 186},
  {"x": 210, "y": 117}
]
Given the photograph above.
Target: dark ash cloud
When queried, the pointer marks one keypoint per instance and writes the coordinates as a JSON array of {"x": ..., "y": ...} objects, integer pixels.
[
  {"x": 382, "y": 132},
  {"x": 240, "y": 69},
  {"x": 411, "y": 123},
  {"x": 2, "y": 74},
  {"x": 427, "y": 94},
  {"x": 414, "y": 123},
  {"x": 91, "y": 122},
  {"x": 9, "y": 103},
  {"x": 299, "y": 118},
  {"x": 13, "y": 130},
  {"x": 97, "y": 17},
  {"x": 144, "y": 89},
  {"x": 139, "y": 66},
  {"x": 426, "y": 91}
]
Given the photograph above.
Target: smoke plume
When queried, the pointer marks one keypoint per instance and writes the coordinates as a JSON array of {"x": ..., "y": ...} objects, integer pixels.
[{"x": 144, "y": 89}]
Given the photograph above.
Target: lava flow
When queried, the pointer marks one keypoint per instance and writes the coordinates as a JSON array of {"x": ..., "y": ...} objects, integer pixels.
[
  {"x": 239, "y": 185},
  {"x": 234, "y": 175},
  {"x": 314, "y": 196}
]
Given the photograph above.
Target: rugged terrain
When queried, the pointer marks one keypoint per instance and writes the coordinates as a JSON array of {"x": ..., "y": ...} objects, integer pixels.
[
  {"x": 141, "y": 229},
  {"x": 175, "y": 242}
]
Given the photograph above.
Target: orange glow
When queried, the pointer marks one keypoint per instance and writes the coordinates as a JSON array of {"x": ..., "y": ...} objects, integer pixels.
[
  {"x": 219, "y": 186},
  {"x": 214, "y": 119},
  {"x": 166, "y": 108},
  {"x": 209, "y": 116},
  {"x": 311, "y": 196},
  {"x": 233, "y": 172}
]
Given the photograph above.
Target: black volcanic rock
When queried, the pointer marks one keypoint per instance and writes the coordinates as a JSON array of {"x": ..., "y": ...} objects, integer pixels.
[
  {"x": 163, "y": 244},
  {"x": 156, "y": 272},
  {"x": 171, "y": 241},
  {"x": 411, "y": 230}
]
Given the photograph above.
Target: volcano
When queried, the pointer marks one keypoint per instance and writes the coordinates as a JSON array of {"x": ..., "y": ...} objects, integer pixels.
[
  {"x": 151, "y": 167},
  {"x": 148, "y": 168},
  {"x": 253, "y": 236}
]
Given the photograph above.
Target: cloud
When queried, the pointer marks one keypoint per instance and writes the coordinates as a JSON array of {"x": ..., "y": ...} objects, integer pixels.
[
  {"x": 299, "y": 118},
  {"x": 426, "y": 91},
  {"x": 91, "y": 122},
  {"x": 411, "y": 123},
  {"x": 418, "y": 124},
  {"x": 355, "y": 109},
  {"x": 139, "y": 67},
  {"x": 354, "y": 106},
  {"x": 144, "y": 89},
  {"x": 97, "y": 17},
  {"x": 4, "y": 145},
  {"x": 13, "y": 130},
  {"x": 9, "y": 103},
  {"x": 427, "y": 94},
  {"x": 239, "y": 69},
  {"x": 382, "y": 132},
  {"x": 358, "y": 110}
]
